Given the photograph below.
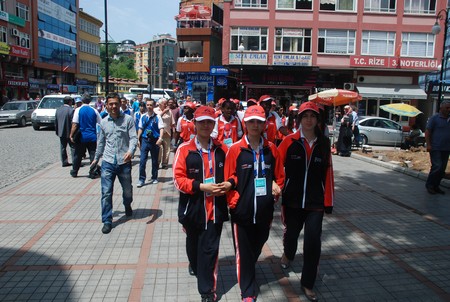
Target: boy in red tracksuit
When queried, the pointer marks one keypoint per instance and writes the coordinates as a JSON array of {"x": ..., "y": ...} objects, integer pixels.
[
  {"x": 198, "y": 174},
  {"x": 185, "y": 124},
  {"x": 256, "y": 173},
  {"x": 308, "y": 192},
  {"x": 228, "y": 128},
  {"x": 273, "y": 120}
]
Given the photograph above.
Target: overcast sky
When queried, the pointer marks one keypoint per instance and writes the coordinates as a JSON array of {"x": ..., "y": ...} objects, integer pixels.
[{"x": 137, "y": 20}]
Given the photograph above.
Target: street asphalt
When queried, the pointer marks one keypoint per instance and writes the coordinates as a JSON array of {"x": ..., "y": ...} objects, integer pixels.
[{"x": 387, "y": 240}]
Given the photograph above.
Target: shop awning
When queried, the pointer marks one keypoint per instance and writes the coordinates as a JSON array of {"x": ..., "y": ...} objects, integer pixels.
[{"x": 387, "y": 91}]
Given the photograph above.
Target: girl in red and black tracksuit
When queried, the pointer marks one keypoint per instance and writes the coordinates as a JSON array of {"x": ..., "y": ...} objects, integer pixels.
[
  {"x": 198, "y": 175},
  {"x": 254, "y": 169},
  {"x": 308, "y": 192}
]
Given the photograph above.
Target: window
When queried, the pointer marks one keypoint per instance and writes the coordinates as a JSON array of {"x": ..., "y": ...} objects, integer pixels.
[
  {"x": 22, "y": 11},
  {"x": 380, "y": 6},
  {"x": 378, "y": 43},
  {"x": 294, "y": 4},
  {"x": 2, "y": 5},
  {"x": 253, "y": 38},
  {"x": 87, "y": 67},
  {"x": 251, "y": 3},
  {"x": 89, "y": 27},
  {"x": 418, "y": 45},
  {"x": 89, "y": 47},
  {"x": 292, "y": 40},
  {"x": 23, "y": 40},
  {"x": 336, "y": 41},
  {"x": 420, "y": 6},
  {"x": 338, "y": 5},
  {"x": 3, "y": 34}
]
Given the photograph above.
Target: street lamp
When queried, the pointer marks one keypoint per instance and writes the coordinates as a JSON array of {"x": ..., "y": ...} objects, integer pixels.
[
  {"x": 106, "y": 50},
  {"x": 436, "y": 29},
  {"x": 241, "y": 49}
]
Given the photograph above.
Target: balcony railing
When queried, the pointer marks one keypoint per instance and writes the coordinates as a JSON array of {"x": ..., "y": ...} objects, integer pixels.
[{"x": 190, "y": 60}]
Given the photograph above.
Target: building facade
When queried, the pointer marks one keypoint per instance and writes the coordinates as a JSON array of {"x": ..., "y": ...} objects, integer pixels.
[
  {"x": 141, "y": 53},
  {"x": 15, "y": 49},
  {"x": 87, "y": 77},
  {"x": 291, "y": 49},
  {"x": 163, "y": 53}
]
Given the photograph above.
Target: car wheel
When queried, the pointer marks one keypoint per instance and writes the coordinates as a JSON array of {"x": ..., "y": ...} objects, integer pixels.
[
  {"x": 36, "y": 127},
  {"x": 23, "y": 122},
  {"x": 364, "y": 139}
]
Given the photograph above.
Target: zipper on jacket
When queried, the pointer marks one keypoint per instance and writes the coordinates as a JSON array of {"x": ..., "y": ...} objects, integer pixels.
[
  {"x": 204, "y": 193},
  {"x": 305, "y": 182}
]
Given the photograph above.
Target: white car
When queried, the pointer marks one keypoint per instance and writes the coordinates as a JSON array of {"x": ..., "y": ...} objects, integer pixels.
[{"x": 44, "y": 115}]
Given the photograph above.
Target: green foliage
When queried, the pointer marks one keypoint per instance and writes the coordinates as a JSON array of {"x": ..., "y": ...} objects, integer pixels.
[{"x": 123, "y": 67}]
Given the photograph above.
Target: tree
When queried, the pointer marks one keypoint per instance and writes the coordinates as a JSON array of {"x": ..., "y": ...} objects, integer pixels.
[{"x": 122, "y": 67}]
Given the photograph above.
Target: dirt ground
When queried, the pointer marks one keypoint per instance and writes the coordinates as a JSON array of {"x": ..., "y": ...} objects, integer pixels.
[{"x": 416, "y": 158}]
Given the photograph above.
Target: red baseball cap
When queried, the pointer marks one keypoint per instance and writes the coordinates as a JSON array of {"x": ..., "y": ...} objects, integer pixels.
[
  {"x": 235, "y": 101},
  {"x": 205, "y": 113},
  {"x": 190, "y": 105},
  {"x": 264, "y": 98},
  {"x": 293, "y": 108},
  {"x": 309, "y": 106},
  {"x": 255, "y": 113},
  {"x": 221, "y": 101},
  {"x": 251, "y": 102}
]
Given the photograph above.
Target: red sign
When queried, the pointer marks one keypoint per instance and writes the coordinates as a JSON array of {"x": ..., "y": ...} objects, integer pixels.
[
  {"x": 19, "y": 51},
  {"x": 393, "y": 62}
]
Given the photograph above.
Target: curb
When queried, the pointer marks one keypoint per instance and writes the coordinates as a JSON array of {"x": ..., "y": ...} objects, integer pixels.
[{"x": 417, "y": 174}]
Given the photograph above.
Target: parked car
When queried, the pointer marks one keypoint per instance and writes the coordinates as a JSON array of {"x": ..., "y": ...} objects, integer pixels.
[
  {"x": 44, "y": 115},
  {"x": 376, "y": 130},
  {"x": 17, "y": 112}
]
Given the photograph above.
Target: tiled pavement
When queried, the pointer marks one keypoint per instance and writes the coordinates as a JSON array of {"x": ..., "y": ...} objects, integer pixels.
[{"x": 387, "y": 240}]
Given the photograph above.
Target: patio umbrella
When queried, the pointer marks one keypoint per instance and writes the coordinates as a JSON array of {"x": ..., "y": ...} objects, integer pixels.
[
  {"x": 334, "y": 97},
  {"x": 401, "y": 109}
]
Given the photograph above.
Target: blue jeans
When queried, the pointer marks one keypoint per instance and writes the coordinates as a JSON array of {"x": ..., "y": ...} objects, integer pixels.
[
  {"x": 439, "y": 160},
  {"x": 147, "y": 146},
  {"x": 109, "y": 173}
]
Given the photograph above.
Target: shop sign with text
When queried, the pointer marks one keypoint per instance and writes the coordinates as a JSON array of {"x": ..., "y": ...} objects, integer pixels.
[
  {"x": 393, "y": 62},
  {"x": 17, "y": 83},
  {"x": 4, "y": 48},
  {"x": 292, "y": 60},
  {"x": 247, "y": 58},
  {"x": 20, "y": 51}
]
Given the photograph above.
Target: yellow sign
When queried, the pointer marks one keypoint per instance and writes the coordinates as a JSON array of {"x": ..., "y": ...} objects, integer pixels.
[{"x": 4, "y": 48}]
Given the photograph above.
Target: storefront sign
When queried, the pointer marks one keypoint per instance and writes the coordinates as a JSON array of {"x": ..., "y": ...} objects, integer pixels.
[
  {"x": 218, "y": 70},
  {"x": 20, "y": 51},
  {"x": 222, "y": 81},
  {"x": 393, "y": 62},
  {"x": 292, "y": 60},
  {"x": 4, "y": 16},
  {"x": 16, "y": 20},
  {"x": 247, "y": 58},
  {"x": 17, "y": 83},
  {"x": 52, "y": 37},
  {"x": 4, "y": 48},
  {"x": 57, "y": 11},
  {"x": 199, "y": 77}
]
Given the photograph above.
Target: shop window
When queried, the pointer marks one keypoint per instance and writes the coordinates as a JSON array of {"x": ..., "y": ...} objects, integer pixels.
[{"x": 380, "y": 6}]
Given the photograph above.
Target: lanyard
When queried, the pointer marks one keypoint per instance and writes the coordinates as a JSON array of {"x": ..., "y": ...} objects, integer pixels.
[
  {"x": 255, "y": 160},
  {"x": 200, "y": 149},
  {"x": 227, "y": 129}
]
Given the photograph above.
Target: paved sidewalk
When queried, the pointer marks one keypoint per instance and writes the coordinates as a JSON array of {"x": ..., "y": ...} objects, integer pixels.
[{"x": 387, "y": 240}]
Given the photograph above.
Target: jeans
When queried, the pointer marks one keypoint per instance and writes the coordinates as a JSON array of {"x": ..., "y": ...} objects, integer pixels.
[
  {"x": 439, "y": 160},
  {"x": 109, "y": 173},
  {"x": 64, "y": 141},
  {"x": 154, "y": 152}
]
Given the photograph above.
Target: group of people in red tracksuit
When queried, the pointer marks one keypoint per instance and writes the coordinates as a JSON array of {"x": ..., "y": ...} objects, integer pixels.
[{"x": 243, "y": 180}]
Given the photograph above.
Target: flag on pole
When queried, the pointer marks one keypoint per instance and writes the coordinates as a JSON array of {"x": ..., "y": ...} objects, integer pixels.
[
  {"x": 147, "y": 69},
  {"x": 65, "y": 68}
]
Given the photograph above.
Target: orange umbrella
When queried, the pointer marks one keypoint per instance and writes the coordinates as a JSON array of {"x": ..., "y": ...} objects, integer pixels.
[{"x": 334, "y": 97}]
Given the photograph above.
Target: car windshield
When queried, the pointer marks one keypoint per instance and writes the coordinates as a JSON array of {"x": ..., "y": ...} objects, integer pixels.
[
  {"x": 169, "y": 92},
  {"x": 51, "y": 103},
  {"x": 15, "y": 106}
]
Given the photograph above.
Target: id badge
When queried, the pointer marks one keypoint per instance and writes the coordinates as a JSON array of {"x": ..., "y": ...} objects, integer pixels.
[
  {"x": 209, "y": 180},
  {"x": 228, "y": 142},
  {"x": 260, "y": 187},
  {"x": 191, "y": 136}
]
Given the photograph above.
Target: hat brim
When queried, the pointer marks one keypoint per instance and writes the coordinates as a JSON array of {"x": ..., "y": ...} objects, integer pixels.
[
  {"x": 249, "y": 118},
  {"x": 204, "y": 118}
]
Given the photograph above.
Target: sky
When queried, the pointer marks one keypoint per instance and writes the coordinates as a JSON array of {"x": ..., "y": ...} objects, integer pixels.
[{"x": 137, "y": 20}]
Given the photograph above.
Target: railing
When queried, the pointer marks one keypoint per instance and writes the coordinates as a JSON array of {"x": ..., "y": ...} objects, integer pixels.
[{"x": 190, "y": 60}]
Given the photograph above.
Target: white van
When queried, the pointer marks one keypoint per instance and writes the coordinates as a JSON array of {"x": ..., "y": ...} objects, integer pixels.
[
  {"x": 44, "y": 115},
  {"x": 158, "y": 93}
]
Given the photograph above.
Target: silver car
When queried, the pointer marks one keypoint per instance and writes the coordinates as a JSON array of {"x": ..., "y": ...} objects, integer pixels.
[
  {"x": 375, "y": 130},
  {"x": 17, "y": 112}
]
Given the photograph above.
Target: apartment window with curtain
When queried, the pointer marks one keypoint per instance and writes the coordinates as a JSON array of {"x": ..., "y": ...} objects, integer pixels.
[
  {"x": 426, "y": 7},
  {"x": 379, "y": 43},
  {"x": 251, "y": 3},
  {"x": 3, "y": 34},
  {"x": 418, "y": 45},
  {"x": 333, "y": 41},
  {"x": 253, "y": 38},
  {"x": 22, "y": 11},
  {"x": 295, "y": 40},
  {"x": 338, "y": 5},
  {"x": 380, "y": 6},
  {"x": 294, "y": 4}
]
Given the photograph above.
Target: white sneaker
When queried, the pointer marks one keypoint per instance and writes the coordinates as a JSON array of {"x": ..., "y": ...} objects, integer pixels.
[
  {"x": 155, "y": 181},
  {"x": 140, "y": 184}
]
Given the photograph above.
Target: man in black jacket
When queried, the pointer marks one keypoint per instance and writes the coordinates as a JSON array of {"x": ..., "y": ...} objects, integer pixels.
[{"x": 63, "y": 124}]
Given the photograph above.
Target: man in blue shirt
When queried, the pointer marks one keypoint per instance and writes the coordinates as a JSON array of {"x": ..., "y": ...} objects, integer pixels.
[
  {"x": 151, "y": 129},
  {"x": 117, "y": 144},
  {"x": 85, "y": 119},
  {"x": 437, "y": 136}
]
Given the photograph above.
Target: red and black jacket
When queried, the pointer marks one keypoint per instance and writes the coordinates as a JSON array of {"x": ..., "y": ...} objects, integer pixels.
[
  {"x": 188, "y": 174},
  {"x": 245, "y": 209},
  {"x": 309, "y": 175}
]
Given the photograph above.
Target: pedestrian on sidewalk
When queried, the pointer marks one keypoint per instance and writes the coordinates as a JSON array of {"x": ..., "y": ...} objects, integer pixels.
[
  {"x": 151, "y": 130},
  {"x": 437, "y": 137},
  {"x": 116, "y": 144},
  {"x": 198, "y": 173},
  {"x": 185, "y": 125},
  {"x": 63, "y": 124},
  {"x": 253, "y": 168},
  {"x": 308, "y": 193},
  {"x": 165, "y": 114},
  {"x": 85, "y": 120}
]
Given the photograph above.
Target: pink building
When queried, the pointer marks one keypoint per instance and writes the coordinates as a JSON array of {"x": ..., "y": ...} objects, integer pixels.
[{"x": 291, "y": 48}]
